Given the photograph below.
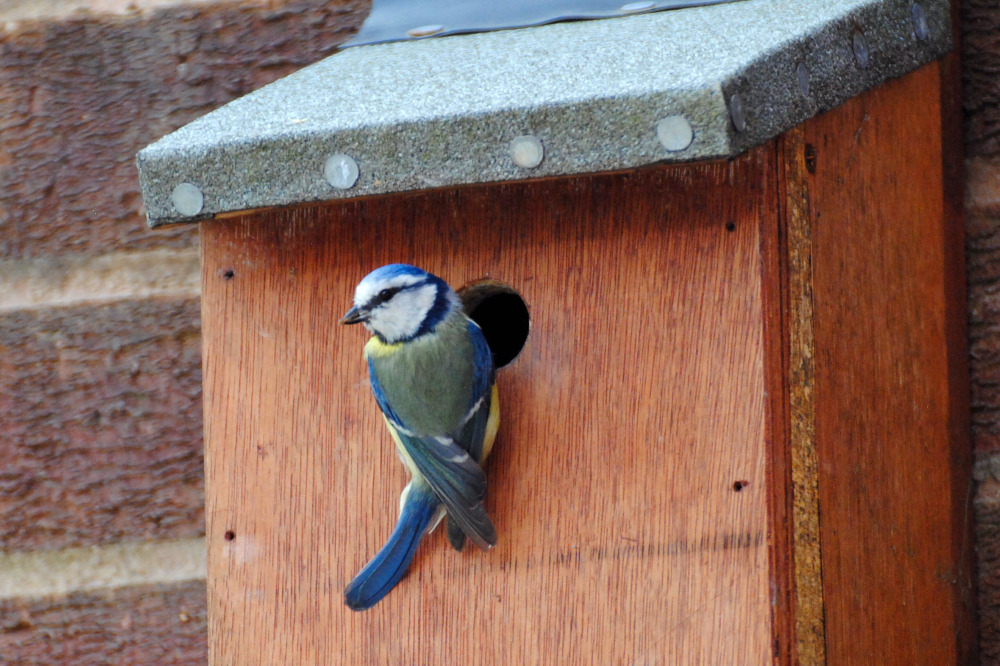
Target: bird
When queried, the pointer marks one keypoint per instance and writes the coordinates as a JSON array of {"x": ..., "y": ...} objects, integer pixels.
[{"x": 433, "y": 377}]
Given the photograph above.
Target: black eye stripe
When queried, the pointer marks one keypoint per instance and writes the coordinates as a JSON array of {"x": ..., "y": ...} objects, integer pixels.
[{"x": 385, "y": 295}]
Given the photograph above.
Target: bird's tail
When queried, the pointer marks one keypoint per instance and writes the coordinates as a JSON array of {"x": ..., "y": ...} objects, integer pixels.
[{"x": 417, "y": 513}]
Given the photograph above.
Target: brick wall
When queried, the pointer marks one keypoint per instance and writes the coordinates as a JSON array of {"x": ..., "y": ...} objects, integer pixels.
[
  {"x": 981, "y": 101},
  {"x": 101, "y": 487},
  {"x": 102, "y": 555}
]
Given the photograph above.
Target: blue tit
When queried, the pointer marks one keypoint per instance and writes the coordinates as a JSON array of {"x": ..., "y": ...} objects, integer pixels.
[{"x": 433, "y": 377}]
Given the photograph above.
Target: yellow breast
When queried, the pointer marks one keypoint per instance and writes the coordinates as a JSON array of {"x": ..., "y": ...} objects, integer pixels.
[
  {"x": 493, "y": 423},
  {"x": 376, "y": 348}
]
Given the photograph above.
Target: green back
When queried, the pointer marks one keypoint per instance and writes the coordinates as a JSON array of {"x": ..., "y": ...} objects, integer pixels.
[{"x": 428, "y": 381}]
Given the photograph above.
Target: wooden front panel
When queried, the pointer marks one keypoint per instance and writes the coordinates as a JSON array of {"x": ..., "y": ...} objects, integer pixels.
[
  {"x": 636, "y": 405},
  {"x": 890, "y": 388}
]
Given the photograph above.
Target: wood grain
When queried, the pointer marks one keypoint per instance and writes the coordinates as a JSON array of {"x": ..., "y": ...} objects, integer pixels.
[
  {"x": 635, "y": 406},
  {"x": 774, "y": 289},
  {"x": 957, "y": 316},
  {"x": 891, "y": 428}
]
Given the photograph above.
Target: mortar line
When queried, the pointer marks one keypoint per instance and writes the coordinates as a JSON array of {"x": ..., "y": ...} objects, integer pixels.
[{"x": 37, "y": 573}]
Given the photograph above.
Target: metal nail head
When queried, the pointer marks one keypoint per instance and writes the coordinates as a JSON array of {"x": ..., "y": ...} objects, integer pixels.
[
  {"x": 527, "y": 151},
  {"x": 737, "y": 113},
  {"x": 802, "y": 74},
  {"x": 425, "y": 30},
  {"x": 674, "y": 133},
  {"x": 187, "y": 199},
  {"x": 919, "y": 18},
  {"x": 341, "y": 171},
  {"x": 860, "y": 50},
  {"x": 633, "y": 7}
]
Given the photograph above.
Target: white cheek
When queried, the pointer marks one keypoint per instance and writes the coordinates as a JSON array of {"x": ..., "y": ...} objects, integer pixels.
[{"x": 402, "y": 316}]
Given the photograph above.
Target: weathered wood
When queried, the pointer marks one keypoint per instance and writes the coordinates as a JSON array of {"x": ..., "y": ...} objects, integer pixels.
[
  {"x": 890, "y": 419},
  {"x": 628, "y": 480},
  {"x": 797, "y": 160}
]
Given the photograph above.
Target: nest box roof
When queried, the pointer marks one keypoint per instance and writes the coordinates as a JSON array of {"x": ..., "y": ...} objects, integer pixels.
[{"x": 566, "y": 98}]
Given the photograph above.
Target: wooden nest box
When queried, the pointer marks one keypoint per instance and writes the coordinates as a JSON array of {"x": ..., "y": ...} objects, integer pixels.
[{"x": 737, "y": 432}]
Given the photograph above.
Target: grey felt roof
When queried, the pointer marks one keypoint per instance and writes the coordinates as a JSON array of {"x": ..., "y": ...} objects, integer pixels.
[{"x": 690, "y": 84}]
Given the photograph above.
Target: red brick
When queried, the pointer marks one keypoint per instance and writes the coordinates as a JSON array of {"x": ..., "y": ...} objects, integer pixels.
[
  {"x": 79, "y": 96},
  {"x": 100, "y": 423},
  {"x": 981, "y": 101},
  {"x": 157, "y": 625},
  {"x": 982, "y": 188},
  {"x": 987, "y": 508},
  {"x": 983, "y": 266},
  {"x": 981, "y": 76}
]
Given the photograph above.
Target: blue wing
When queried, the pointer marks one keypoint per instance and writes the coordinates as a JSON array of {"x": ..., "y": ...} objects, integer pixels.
[
  {"x": 390, "y": 564},
  {"x": 457, "y": 480},
  {"x": 483, "y": 361},
  {"x": 379, "y": 392},
  {"x": 473, "y": 432}
]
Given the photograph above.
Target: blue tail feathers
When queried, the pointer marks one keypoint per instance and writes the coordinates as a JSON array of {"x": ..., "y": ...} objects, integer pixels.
[{"x": 390, "y": 564}]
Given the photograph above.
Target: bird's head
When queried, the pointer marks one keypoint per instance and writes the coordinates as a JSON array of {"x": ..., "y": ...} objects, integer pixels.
[{"x": 399, "y": 302}]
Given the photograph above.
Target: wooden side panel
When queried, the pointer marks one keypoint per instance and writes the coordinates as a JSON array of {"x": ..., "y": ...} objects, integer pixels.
[
  {"x": 890, "y": 419},
  {"x": 635, "y": 407}
]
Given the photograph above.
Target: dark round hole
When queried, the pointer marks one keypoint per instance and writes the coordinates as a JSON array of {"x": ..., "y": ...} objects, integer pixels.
[
  {"x": 230, "y": 535},
  {"x": 229, "y": 274},
  {"x": 730, "y": 226},
  {"x": 501, "y": 313},
  {"x": 740, "y": 485}
]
